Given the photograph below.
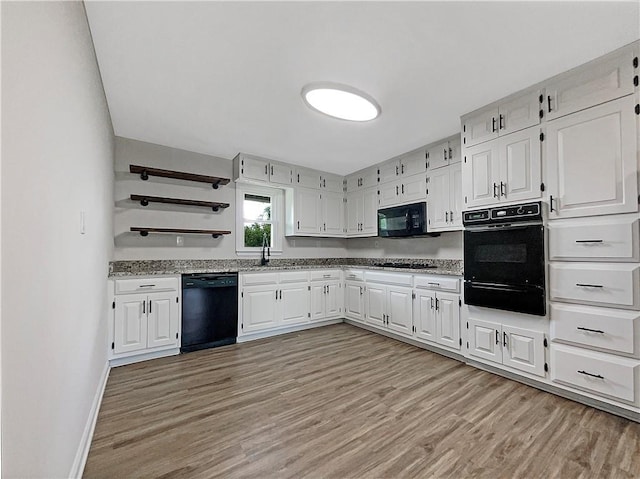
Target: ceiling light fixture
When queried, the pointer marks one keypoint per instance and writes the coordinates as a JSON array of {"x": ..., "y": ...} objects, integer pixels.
[{"x": 340, "y": 101}]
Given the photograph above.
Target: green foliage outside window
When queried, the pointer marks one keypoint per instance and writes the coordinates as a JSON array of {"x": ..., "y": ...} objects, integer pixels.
[{"x": 255, "y": 233}]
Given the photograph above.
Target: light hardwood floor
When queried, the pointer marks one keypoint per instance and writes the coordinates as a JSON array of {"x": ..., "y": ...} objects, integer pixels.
[{"x": 342, "y": 402}]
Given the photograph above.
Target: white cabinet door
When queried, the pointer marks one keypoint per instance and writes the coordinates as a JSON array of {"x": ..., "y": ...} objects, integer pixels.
[
  {"x": 448, "y": 320},
  {"x": 293, "y": 302},
  {"x": 259, "y": 308},
  {"x": 456, "y": 199},
  {"x": 307, "y": 178},
  {"x": 523, "y": 349},
  {"x": 317, "y": 301},
  {"x": 354, "y": 300},
  {"x": 332, "y": 301},
  {"x": 480, "y": 127},
  {"x": 413, "y": 163},
  {"x": 438, "y": 155},
  {"x": 519, "y": 113},
  {"x": 376, "y": 298},
  {"x": 162, "y": 317},
  {"x": 590, "y": 85},
  {"x": 424, "y": 315},
  {"x": 332, "y": 213},
  {"x": 520, "y": 165},
  {"x": 354, "y": 207},
  {"x": 130, "y": 332},
  {"x": 389, "y": 194},
  {"x": 414, "y": 188},
  {"x": 369, "y": 222},
  {"x": 333, "y": 183},
  {"x": 485, "y": 340},
  {"x": 398, "y": 309},
  {"x": 254, "y": 168},
  {"x": 455, "y": 150},
  {"x": 388, "y": 171},
  {"x": 592, "y": 161},
  {"x": 439, "y": 194},
  {"x": 280, "y": 174},
  {"x": 308, "y": 211},
  {"x": 480, "y": 168}
]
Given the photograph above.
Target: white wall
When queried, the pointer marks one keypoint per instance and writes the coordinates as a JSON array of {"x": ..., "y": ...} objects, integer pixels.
[
  {"x": 163, "y": 246},
  {"x": 57, "y": 150},
  {"x": 446, "y": 246}
]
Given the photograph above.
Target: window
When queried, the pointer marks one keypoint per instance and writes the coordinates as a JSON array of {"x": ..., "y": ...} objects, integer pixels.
[{"x": 259, "y": 218}]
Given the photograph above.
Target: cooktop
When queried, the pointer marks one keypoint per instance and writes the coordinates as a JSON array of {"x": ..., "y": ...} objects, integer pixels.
[{"x": 405, "y": 265}]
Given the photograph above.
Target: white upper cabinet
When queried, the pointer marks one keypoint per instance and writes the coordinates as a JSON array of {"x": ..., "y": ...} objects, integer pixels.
[
  {"x": 413, "y": 163},
  {"x": 388, "y": 171},
  {"x": 280, "y": 174},
  {"x": 443, "y": 153},
  {"x": 512, "y": 114},
  {"x": 306, "y": 178},
  {"x": 331, "y": 182},
  {"x": 445, "y": 199},
  {"x": 592, "y": 161},
  {"x": 304, "y": 212},
  {"x": 362, "y": 213},
  {"x": 362, "y": 179},
  {"x": 592, "y": 84},
  {"x": 506, "y": 169},
  {"x": 332, "y": 205},
  {"x": 253, "y": 169},
  {"x": 403, "y": 191}
]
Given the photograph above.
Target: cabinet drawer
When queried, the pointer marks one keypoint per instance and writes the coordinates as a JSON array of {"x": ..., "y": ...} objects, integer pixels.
[
  {"x": 259, "y": 278},
  {"x": 141, "y": 285},
  {"x": 598, "y": 373},
  {"x": 325, "y": 275},
  {"x": 604, "y": 328},
  {"x": 438, "y": 283},
  {"x": 294, "y": 277},
  {"x": 354, "y": 275},
  {"x": 610, "y": 284},
  {"x": 388, "y": 278},
  {"x": 613, "y": 238}
]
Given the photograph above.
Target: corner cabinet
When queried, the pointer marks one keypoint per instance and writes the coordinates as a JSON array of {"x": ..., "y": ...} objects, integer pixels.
[
  {"x": 146, "y": 318},
  {"x": 312, "y": 212},
  {"x": 592, "y": 161},
  {"x": 253, "y": 169}
]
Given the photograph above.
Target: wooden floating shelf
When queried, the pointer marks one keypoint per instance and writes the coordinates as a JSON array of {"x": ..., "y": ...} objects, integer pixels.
[
  {"x": 146, "y": 231},
  {"x": 146, "y": 172},
  {"x": 146, "y": 199}
]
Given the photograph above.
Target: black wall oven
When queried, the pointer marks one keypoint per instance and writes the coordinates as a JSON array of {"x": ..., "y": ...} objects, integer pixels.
[{"x": 504, "y": 264}]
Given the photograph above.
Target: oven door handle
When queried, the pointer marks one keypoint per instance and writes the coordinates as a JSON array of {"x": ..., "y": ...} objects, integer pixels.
[
  {"x": 501, "y": 227},
  {"x": 500, "y": 287}
]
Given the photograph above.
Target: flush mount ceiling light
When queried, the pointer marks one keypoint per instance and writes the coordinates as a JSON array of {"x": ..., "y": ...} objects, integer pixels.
[{"x": 340, "y": 101}]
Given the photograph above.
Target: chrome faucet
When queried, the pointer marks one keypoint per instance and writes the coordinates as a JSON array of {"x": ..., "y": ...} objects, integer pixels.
[{"x": 264, "y": 260}]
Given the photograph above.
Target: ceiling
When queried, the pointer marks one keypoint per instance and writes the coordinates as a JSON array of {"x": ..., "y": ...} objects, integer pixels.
[{"x": 225, "y": 77}]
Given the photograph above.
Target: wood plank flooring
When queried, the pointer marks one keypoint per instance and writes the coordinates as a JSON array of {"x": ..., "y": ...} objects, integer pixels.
[{"x": 341, "y": 402}]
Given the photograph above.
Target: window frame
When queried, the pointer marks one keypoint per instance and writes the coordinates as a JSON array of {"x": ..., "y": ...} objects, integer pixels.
[{"x": 276, "y": 221}]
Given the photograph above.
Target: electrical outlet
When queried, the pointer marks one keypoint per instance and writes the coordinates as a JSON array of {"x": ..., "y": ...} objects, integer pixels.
[
  {"x": 180, "y": 240},
  {"x": 376, "y": 244}
]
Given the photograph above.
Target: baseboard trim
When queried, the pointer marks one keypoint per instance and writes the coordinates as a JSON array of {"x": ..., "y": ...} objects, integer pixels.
[
  {"x": 85, "y": 442},
  {"x": 291, "y": 329}
]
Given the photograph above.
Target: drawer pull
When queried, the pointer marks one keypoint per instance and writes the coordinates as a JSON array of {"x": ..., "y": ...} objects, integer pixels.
[
  {"x": 326, "y": 276},
  {"x": 589, "y": 241},
  {"x": 590, "y": 330},
  {"x": 146, "y": 286},
  {"x": 433, "y": 284},
  {"x": 351, "y": 276},
  {"x": 582, "y": 285},
  {"x": 591, "y": 375}
]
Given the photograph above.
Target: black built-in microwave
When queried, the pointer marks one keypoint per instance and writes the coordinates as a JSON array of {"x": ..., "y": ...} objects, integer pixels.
[{"x": 404, "y": 220}]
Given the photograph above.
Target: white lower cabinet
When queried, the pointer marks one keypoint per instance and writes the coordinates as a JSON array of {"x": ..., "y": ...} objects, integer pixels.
[
  {"x": 518, "y": 348},
  {"x": 437, "y": 317},
  {"x": 259, "y": 308},
  {"x": 146, "y": 316},
  {"x": 325, "y": 300},
  {"x": 389, "y": 305}
]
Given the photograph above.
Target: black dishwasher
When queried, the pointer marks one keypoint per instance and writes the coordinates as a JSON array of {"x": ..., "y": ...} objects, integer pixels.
[{"x": 209, "y": 310}]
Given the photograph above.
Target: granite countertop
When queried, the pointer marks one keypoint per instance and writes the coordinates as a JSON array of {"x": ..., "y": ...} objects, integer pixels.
[{"x": 119, "y": 269}]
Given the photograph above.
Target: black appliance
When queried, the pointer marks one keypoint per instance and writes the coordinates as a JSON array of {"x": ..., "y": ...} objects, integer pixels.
[
  {"x": 504, "y": 258},
  {"x": 209, "y": 310},
  {"x": 405, "y": 220}
]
